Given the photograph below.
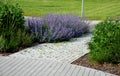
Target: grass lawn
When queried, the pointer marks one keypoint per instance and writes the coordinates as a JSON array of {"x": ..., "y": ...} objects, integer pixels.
[{"x": 94, "y": 9}]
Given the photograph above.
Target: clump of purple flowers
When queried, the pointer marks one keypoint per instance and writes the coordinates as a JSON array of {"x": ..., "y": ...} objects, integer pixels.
[{"x": 54, "y": 28}]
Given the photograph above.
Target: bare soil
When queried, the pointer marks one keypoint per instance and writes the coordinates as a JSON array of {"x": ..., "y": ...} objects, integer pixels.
[
  {"x": 107, "y": 67},
  {"x": 4, "y": 54}
]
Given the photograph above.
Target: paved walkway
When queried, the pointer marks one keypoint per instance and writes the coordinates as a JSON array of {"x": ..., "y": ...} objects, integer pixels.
[
  {"x": 40, "y": 67},
  {"x": 62, "y": 52}
]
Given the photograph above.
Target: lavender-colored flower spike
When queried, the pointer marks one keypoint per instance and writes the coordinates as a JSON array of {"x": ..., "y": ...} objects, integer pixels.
[{"x": 56, "y": 27}]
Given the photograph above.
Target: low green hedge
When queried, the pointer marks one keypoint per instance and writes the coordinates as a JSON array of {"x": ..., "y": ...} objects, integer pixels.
[
  {"x": 12, "y": 30},
  {"x": 105, "y": 43}
]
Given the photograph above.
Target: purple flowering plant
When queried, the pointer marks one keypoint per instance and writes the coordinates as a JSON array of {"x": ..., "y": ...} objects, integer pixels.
[{"x": 54, "y": 28}]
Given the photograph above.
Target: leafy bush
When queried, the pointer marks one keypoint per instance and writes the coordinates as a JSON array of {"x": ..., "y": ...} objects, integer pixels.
[
  {"x": 53, "y": 28},
  {"x": 12, "y": 29},
  {"x": 105, "y": 43},
  {"x": 20, "y": 38}
]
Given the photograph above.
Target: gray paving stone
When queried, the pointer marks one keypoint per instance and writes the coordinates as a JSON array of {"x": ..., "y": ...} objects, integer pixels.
[
  {"x": 63, "y": 52},
  {"x": 43, "y": 67},
  {"x": 53, "y": 71},
  {"x": 59, "y": 71},
  {"x": 70, "y": 71},
  {"x": 81, "y": 72}
]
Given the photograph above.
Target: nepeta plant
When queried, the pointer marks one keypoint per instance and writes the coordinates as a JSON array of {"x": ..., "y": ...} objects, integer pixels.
[{"x": 52, "y": 28}]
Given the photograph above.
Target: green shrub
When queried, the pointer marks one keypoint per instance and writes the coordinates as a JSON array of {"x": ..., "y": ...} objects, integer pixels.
[
  {"x": 2, "y": 42},
  {"x": 105, "y": 43},
  {"x": 12, "y": 30},
  {"x": 25, "y": 38},
  {"x": 11, "y": 16}
]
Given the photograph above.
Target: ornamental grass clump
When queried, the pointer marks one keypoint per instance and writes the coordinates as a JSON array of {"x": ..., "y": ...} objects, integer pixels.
[
  {"x": 54, "y": 28},
  {"x": 105, "y": 43},
  {"x": 12, "y": 30}
]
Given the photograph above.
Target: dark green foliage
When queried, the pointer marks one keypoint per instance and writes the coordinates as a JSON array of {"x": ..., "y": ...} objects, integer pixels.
[
  {"x": 12, "y": 29},
  {"x": 11, "y": 17},
  {"x": 20, "y": 38},
  {"x": 105, "y": 43}
]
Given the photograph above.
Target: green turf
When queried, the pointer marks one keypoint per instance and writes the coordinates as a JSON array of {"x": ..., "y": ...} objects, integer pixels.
[{"x": 94, "y": 9}]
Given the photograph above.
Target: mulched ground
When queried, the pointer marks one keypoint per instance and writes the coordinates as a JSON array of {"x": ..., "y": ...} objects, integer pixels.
[
  {"x": 107, "y": 67},
  {"x": 4, "y": 54}
]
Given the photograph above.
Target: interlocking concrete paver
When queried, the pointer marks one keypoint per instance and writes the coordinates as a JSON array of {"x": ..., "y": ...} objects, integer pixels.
[
  {"x": 62, "y": 52},
  {"x": 43, "y": 67}
]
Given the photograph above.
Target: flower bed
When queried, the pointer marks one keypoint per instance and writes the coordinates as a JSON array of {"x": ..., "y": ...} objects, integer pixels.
[{"x": 54, "y": 28}]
